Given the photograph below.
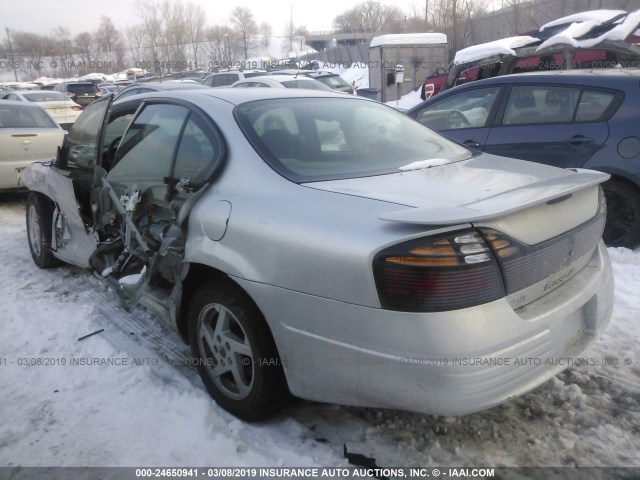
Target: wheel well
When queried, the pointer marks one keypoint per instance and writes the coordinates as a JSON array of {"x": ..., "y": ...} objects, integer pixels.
[
  {"x": 198, "y": 274},
  {"x": 626, "y": 181},
  {"x": 45, "y": 197}
]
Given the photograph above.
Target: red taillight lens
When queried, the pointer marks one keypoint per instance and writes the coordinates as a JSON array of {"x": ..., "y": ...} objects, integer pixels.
[
  {"x": 429, "y": 88},
  {"x": 436, "y": 274},
  {"x": 77, "y": 108}
]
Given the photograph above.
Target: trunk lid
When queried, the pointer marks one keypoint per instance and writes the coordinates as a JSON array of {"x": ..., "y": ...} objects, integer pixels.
[{"x": 484, "y": 190}]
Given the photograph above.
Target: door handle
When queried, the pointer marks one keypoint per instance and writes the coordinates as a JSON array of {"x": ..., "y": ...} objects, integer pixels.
[
  {"x": 580, "y": 140},
  {"x": 471, "y": 143}
]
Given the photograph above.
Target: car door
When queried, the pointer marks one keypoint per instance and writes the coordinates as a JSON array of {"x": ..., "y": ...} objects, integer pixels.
[
  {"x": 556, "y": 125},
  {"x": 463, "y": 116},
  {"x": 163, "y": 161}
]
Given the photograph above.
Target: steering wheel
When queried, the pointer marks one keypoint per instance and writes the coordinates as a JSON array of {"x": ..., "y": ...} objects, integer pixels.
[{"x": 456, "y": 118}]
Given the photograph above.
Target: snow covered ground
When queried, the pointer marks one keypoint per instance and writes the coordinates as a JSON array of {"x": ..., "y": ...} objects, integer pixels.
[{"x": 141, "y": 410}]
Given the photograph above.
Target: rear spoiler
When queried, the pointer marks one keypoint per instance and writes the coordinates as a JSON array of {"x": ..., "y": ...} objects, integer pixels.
[{"x": 502, "y": 204}]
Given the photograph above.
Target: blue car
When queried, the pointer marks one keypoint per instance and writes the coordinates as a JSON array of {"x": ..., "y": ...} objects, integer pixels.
[{"x": 566, "y": 118}]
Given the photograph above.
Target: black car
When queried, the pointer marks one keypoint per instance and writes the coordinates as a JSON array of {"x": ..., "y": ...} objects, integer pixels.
[
  {"x": 83, "y": 93},
  {"x": 567, "y": 118}
]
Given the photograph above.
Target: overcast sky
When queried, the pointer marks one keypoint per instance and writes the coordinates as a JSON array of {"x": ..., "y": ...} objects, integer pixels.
[{"x": 41, "y": 16}]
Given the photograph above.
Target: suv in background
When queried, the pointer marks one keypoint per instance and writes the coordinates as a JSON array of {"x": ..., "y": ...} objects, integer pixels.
[
  {"x": 575, "y": 42},
  {"x": 224, "y": 79},
  {"x": 565, "y": 118},
  {"x": 83, "y": 93}
]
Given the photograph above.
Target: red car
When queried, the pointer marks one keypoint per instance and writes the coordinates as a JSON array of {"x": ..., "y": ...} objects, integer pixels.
[{"x": 595, "y": 39}]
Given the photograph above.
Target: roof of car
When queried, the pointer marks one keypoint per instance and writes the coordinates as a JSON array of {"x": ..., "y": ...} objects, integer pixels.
[
  {"x": 604, "y": 77},
  {"x": 22, "y": 92},
  {"x": 278, "y": 78},
  {"x": 595, "y": 75},
  {"x": 237, "y": 96},
  {"x": 18, "y": 103}
]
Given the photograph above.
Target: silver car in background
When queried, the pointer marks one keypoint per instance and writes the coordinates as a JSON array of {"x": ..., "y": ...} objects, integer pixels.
[
  {"x": 62, "y": 109},
  {"x": 27, "y": 134},
  {"x": 328, "y": 246}
]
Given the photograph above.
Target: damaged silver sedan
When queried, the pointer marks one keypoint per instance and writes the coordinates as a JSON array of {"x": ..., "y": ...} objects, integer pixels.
[{"x": 328, "y": 247}]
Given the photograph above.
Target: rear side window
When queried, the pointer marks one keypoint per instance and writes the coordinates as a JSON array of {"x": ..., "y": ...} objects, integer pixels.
[
  {"x": 533, "y": 104},
  {"x": 196, "y": 152},
  {"x": 537, "y": 104},
  {"x": 595, "y": 106}
]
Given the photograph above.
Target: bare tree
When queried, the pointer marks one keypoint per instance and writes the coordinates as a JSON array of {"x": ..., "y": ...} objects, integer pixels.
[
  {"x": 370, "y": 17},
  {"x": 151, "y": 16},
  {"x": 220, "y": 47},
  {"x": 135, "y": 38},
  {"x": 195, "y": 21},
  {"x": 110, "y": 42},
  {"x": 242, "y": 19},
  {"x": 266, "y": 31},
  {"x": 84, "y": 45},
  {"x": 64, "y": 46},
  {"x": 174, "y": 35},
  {"x": 35, "y": 47}
]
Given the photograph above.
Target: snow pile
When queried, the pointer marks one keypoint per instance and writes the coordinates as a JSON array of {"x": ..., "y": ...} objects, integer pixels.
[
  {"x": 409, "y": 39},
  {"x": 597, "y": 16},
  {"x": 504, "y": 46},
  {"x": 568, "y": 36},
  {"x": 358, "y": 72},
  {"x": 619, "y": 33}
]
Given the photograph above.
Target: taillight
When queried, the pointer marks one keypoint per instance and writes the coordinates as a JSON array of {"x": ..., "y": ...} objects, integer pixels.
[
  {"x": 429, "y": 88},
  {"x": 77, "y": 108},
  {"x": 435, "y": 274}
]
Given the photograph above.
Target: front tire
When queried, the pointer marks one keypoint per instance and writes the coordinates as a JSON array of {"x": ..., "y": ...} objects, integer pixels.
[
  {"x": 39, "y": 223},
  {"x": 622, "y": 228},
  {"x": 237, "y": 358}
]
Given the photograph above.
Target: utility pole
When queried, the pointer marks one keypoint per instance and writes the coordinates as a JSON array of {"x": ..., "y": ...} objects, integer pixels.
[
  {"x": 426, "y": 14},
  {"x": 291, "y": 28},
  {"x": 13, "y": 62}
]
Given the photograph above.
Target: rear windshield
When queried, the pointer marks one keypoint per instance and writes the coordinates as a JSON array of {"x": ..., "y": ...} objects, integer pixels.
[
  {"x": 253, "y": 74},
  {"x": 46, "y": 97},
  {"x": 17, "y": 116},
  {"x": 81, "y": 88},
  {"x": 308, "y": 84},
  {"x": 333, "y": 81},
  {"x": 315, "y": 139}
]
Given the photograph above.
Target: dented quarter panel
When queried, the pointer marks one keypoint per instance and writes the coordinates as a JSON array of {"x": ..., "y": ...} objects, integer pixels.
[{"x": 76, "y": 244}]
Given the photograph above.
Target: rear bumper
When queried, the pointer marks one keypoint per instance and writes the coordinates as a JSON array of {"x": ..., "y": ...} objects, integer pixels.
[
  {"x": 10, "y": 172},
  {"x": 447, "y": 363}
]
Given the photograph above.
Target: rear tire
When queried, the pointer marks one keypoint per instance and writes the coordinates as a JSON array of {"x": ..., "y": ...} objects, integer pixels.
[
  {"x": 39, "y": 223},
  {"x": 236, "y": 355},
  {"x": 622, "y": 228}
]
